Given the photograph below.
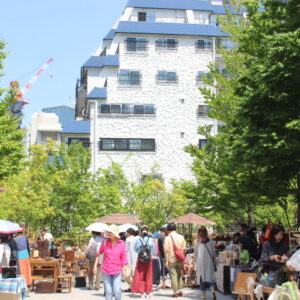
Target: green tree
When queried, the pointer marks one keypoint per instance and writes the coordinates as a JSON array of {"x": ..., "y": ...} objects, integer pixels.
[{"x": 11, "y": 136}]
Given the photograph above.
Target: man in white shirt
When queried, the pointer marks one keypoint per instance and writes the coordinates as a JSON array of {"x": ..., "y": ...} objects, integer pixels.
[{"x": 46, "y": 236}]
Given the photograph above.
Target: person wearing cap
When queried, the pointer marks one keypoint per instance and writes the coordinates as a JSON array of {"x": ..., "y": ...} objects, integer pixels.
[
  {"x": 114, "y": 260},
  {"x": 143, "y": 276}
]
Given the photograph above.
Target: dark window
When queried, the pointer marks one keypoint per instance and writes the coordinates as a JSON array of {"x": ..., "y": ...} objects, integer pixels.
[
  {"x": 127, "y": 108},
  {"x": 201, "y": 75},
  {"x": 84, "y": 141},
  {"x": 127, "y": 144},
  {"x": 164, "y": 76},
  {"x": 129, "y": 78},
  {"x": 203, "y": 110},
  {"x": 142, "y": 16},
  {"x": 115, "y": 108},
  {"x": 170, "y": 44},
  {"x": 139, "y": 109},
  {"x": 202, "y": 143},
  {"x": 136, "y": 44},
  {"x": 105, "y": 108},
  {"x": 149, "y": 109},
  {"x": 204, "y": 45}
]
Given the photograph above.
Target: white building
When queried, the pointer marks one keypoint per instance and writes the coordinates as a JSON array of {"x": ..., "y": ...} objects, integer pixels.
[{"x": 140, "y": 89}]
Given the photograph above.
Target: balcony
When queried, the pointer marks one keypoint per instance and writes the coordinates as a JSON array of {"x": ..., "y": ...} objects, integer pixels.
[{"x": 161, "y": 19}]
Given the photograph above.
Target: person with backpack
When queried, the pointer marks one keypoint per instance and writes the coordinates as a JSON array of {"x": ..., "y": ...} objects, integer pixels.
[
  {"x": 91, "y": 254},
  {"x": 143, "y": 276},
  {"x": 174, "y": 248}
]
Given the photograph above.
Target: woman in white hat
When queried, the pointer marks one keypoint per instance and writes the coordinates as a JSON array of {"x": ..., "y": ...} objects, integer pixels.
[{"x": 114, "y": 259}]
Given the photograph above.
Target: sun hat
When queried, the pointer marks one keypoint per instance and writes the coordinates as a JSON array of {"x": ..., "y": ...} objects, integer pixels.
[{"x": 114, "y": 229}]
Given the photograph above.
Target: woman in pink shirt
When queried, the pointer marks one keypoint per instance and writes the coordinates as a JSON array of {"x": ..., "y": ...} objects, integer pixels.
[{"x": 114, "y": 259}]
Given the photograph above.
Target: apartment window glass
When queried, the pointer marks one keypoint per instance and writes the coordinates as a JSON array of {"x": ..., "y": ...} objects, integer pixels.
[
  {"x": 142, "y": 16},
  {"x": 135, "y": 144},
  {"x": 136, "y": 44},
  {"x": 168, "y": 77},
  {"x": 149, "y": 109},
  {"x": 201, "y": 75},
  {"x": 129, "y": 78},
  {"x": 127, "y": 108},
  {"x": 203, "y": 110},
  {"x": 169, "y": 44},
  {"x": 85, "y": 141},
  {"x": 105, "y": 108},
  {"x": 127, "y": 144},
  {"x": 107, "y": 144},
  {"x": 202, "y": 143},
  {"x": 115, "y": 108},
  {"x": 204, "y": 45},
  {"x": 139, "y": 109}
]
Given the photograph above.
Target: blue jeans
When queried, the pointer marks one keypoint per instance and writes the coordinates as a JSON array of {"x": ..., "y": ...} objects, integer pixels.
[{"x": 112, "y": 285}]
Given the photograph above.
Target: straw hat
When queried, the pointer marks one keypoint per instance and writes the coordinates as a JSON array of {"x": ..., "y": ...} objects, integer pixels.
[{"x": 114, "y": 229}]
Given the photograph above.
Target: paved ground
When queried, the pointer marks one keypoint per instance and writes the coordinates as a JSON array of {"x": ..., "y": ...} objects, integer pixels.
[{"x": 83, "y": 294}]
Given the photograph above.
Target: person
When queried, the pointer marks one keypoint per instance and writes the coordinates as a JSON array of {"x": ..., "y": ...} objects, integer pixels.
[
  {"x": 161, "y": 242},
  {"x": 131, "y": 254},
  {"x": 293, "y": 264},
  {"x": 205, "y": 262},
  {"x": 143, "y": 276},
  {"x": 247, "y": 238},
  {"x": 172, "y": 263},
  {"x": 23, "y": 256},
  {"x": 91, "y": 254},
  {"x": 244, "y": 255},
  {"x": 114, "y": 261},
  {"x": 156, "y": 267},
  {"x": 275, "y": 249},
  {"x": 46, "y": 236},
  {"x": 5, "y": 251}
]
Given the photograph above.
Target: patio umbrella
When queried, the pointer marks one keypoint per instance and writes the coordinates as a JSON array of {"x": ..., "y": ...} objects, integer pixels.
[
  {"x": 125, "y": 227},
  {"x": 8, "y": 227},
  {"x": 118, "y": 219},
  {"x": 97, "y": 227},
  {"x": 192, "y": 219}
]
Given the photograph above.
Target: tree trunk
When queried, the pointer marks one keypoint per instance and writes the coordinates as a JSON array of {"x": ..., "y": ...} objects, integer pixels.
[{"x": 298, "y": 199}]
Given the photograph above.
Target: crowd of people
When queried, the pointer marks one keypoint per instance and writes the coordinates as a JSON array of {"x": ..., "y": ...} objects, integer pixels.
[{"x": 145, "y": 260}]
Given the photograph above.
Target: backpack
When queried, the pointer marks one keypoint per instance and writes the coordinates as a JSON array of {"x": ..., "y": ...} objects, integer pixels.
[
  {"x": 92, "y": 251},
  {"x": 144, "y": 255}
]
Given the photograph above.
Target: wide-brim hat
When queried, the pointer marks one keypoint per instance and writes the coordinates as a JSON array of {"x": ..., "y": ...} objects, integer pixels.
[{"x": 114, "y": 229}]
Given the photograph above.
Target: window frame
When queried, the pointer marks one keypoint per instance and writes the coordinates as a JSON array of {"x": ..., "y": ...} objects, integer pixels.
[
  {"x": 164, "y": 44},
  {"x": 141, "y": 45},
  {"x": 203, "y": 113},
  {"x": 202, "y": 143},
  {"x": 164, "y": 77},
  {"x": 129, "y": 81},
  {"x": 207, "y": 45},
  {"x": 144, "y": 13},
  {"x": 127, "y": 109},
  {"x": 144, "y": 147}
]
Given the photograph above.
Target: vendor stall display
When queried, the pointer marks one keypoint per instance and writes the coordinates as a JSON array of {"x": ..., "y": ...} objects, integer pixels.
[{"x": 13, "y": 288}]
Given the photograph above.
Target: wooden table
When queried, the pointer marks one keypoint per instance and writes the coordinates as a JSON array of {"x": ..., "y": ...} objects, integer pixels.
[{"x": 42, "y": 269}]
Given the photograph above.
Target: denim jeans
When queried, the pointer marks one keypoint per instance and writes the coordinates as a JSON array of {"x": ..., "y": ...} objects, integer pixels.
[{"x": 112, "y": 285}]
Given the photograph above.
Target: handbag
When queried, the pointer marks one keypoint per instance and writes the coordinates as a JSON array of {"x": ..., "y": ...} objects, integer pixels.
[
  {"x": 178, "y": 253},
  {"x": 9, "y": 273},
  {"x": 215, "y": 267}
]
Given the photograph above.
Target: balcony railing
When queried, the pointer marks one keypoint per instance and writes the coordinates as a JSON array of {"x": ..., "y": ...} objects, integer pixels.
[{"x": 162, "y": 19}]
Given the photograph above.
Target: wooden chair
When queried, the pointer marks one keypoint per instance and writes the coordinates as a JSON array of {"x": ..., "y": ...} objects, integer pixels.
[{"x": 65, "y": 280}]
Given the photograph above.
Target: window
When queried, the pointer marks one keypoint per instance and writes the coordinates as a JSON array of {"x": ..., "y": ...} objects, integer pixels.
[
  {"x": 142, "y": 16},
  {"x": 166, "y": 44},
  {"x": 200, "y": 76},
  {"x": 202, "y": 143},
  {"x": 85, "y": 141},
  {"x": 204, "y": 45},
  {"x": 129, "y": 78},
  {"x": 166, "y": 77},
  {"x": 127, "y": 109},
  {"x": 203, "y": 110},
  {"x": 127, "y": 144},
  {"x": 214, "y": 20},
  {"x": 226, "y": 44},
  {"x": 136, "y": 44}
]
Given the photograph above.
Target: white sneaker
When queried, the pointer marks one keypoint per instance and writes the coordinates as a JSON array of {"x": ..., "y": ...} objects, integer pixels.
[
  {"x": 148, "y": 296},
  {"x": 143, "y": 295}
]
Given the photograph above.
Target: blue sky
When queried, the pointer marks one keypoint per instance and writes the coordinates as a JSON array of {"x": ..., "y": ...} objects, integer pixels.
[{"x": 67, "y": 30}]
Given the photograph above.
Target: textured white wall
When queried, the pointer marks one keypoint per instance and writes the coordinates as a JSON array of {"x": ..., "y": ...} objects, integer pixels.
[{"x": 172, "y": 116}]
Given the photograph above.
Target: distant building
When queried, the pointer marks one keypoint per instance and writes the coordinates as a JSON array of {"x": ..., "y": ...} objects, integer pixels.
[{"x": 65, "y": 114}]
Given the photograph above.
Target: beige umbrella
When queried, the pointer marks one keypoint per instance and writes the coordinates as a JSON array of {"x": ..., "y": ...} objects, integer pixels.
[
  {"x": 192, "y": 219},
  {"x": 118, "y": 219}
]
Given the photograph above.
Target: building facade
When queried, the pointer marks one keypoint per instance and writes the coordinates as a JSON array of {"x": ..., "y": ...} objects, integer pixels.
[{"x": 140, "y": 90}]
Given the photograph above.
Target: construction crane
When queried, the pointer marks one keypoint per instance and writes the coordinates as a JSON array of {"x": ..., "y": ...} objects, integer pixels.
[{"x": 17, "y": 107}]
